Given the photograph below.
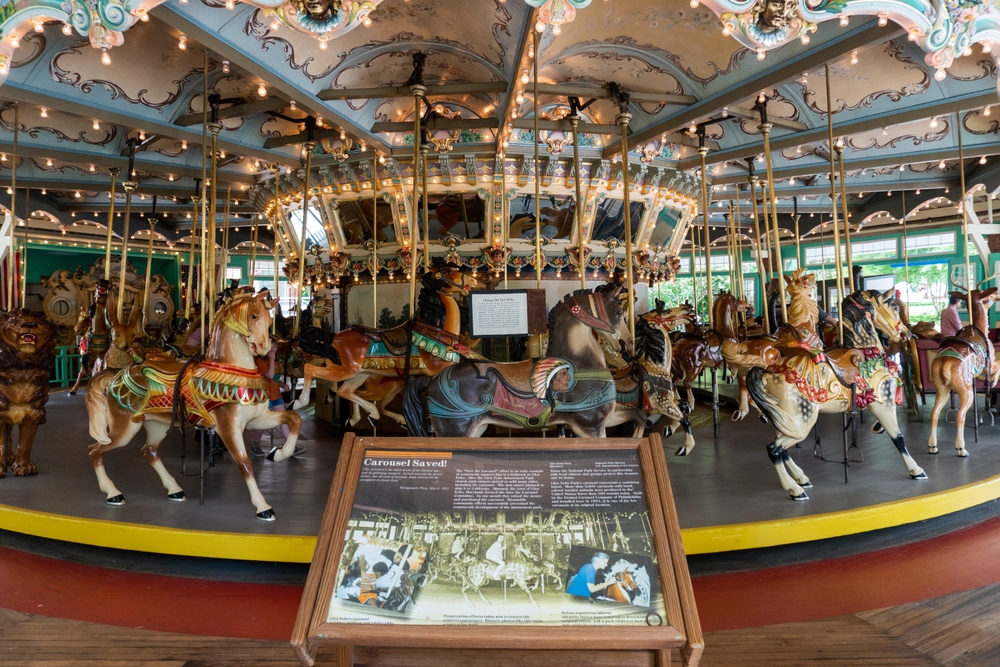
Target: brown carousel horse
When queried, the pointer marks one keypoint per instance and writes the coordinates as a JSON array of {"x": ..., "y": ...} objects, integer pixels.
[
  {"x": 792, "y": 392},
  {"x": 572, "y": 385},
  {"x": 125, "y": 337},
  {"x": 960, "y": 360},
  {"x": 644, "y": 386},
  {"x": 694, "y": 351},
  {"x": 94, "y": 340},
  {"x": 798, "y": 333},
  {"x": 359, "y": 353},
  {"x": 224, "y": 392}
]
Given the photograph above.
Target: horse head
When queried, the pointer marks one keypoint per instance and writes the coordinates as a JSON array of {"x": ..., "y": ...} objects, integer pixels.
[
  {"x": 449, "y": 280},
  {"x": 249, "y": 317},
  {"x": 887, "y": 314},
  {"x": 82, "y": 321},
  {"x": 668, "y": 318}
]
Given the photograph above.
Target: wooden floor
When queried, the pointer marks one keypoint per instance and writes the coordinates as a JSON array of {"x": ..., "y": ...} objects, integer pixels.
[{"x": 962, "y": 629}]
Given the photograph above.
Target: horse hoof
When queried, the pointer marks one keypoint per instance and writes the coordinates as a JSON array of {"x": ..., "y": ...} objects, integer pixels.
[
  {"x": 270, "y": 454},
  {"x": 179, "y": 496},
  {"x": 801, "y": 496},
  {"x": 266, "y": 515},
  {"x": 963, "y": 453},
  {"x": 932, "y": 450},
  {"x": 403, "y": 426},
  {"x": 373, "y": 422},
  {"x": 681, "y": 452},
  {"x": 807, "y": 485},
  {"x": 922, "y": 475},
  {"x": 878, "y": 428},
  {"x": 117, "y": 500},
  {"x": 737, "y": 416},
  {"x": 72, "y": 393},
  {"x": 763, "y": 418}
]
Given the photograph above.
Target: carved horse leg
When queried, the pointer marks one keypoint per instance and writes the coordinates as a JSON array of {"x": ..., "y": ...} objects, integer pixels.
[
  {"x": 269, "y": 419},
  {"x": 122, "y": 429},
  {"x": 25, "y": 438},
  {"x": 156, "y": 431},
  {"x": 84, "y": 364},
  {"x": 966, "y": 397},
  {"x": 885, "y": 413},
  {"x": 347, "y": 390},
  {"x": 744, "y": 408},
  {"x": 229, "y": 425},
  {"x": 790, "y": 475},
  {"x": 940, "y": 400}
]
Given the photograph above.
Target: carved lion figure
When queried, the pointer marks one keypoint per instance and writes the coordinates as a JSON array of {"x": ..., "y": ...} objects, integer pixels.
[{"x": 26, "y": 355}]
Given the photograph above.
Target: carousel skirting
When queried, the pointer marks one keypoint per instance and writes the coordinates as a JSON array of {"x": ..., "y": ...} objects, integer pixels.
[{"x": 726, "y": 490}]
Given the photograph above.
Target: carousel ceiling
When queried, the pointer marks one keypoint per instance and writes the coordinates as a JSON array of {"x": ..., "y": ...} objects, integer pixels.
[{"x": 908, "y": 85}]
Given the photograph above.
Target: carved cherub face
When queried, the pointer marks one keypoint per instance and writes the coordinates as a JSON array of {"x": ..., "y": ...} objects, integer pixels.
[
  {"x": 319, "y": 10},
  {"x": 772, "y": 15}
]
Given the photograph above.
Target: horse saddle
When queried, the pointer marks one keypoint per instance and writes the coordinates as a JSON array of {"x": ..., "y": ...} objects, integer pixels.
[
  {"x": 627, "y": 377},
  {"x": 844, "y": 362},
  {"x": 163, "y": 363},
  {"x": 396, "y": 339},
  {"x": 515, "y": 376}
]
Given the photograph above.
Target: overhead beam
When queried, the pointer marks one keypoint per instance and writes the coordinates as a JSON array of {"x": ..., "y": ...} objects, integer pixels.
[
  {"x": 944, "y": 107},
  {"x": 236, "y": 110},
  {"x": 147, "y": 207},
  {"x": 564, "y": 126},
  {"x": 106, "y": 160},
  {"x": 99, "y": 186},
  {"x": 750, "y": 114},
  {"x": 13, "y": 90},
  {"x": 433, "y": 90},
  {"x": 177, "y": 16},
  {"x": 302, "y": 137},
  {"x": 593, "y": 92},
  {"x": 797, "y": 190},
  {"x": 807, "y": 59},
  {"x": 441, "y": 124}
]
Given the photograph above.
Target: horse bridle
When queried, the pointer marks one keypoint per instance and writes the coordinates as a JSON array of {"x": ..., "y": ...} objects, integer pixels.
[{"x": 598, "y": 320}]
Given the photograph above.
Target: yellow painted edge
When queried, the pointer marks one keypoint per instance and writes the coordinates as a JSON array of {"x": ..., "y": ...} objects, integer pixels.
[
  {"x": 158, "y": 539},
  {"x": 714, "y": 539},
  {"x": 299, "y": 548}
]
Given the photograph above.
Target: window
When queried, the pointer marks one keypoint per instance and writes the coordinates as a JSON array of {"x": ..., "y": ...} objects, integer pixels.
[
  {"x": 791, "y": 264},
  {"x": 749, "y": 287},
  {"x": 685, "y": 265},
  {"x": 930, "y": 244},
  {"x": 861, "y": 251},
  {"x": 234, "y": 273},
  {"x": 265, "y": 267},
  {"x": 719, "y": 263},
  {"x": 286, "y": 297},
  {"x": 749, "y": 267}
]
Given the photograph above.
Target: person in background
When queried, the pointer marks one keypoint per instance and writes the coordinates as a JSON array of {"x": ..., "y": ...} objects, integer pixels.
[
  {"x": 276, "y": 402},
  {"x": 950, "y": 321},
  {"x": 583, "y": 582}
]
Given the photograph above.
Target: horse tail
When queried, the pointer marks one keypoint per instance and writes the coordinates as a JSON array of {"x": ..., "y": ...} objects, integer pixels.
[
  {"x": 413, "y": 406},
  {"x": 735, "y": 355},
  {"x": 97, "y": 407},
  {"x": 766, "y": 403}
]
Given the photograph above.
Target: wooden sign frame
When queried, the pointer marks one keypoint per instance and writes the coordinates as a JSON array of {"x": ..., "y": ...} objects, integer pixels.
[
  {"x": 601, "y": 645},
  {"x": 537, "y": 314}
]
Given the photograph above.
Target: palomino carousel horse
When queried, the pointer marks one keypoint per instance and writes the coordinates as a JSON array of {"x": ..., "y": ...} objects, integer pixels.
[
  {"x": 960, "y": 360},
  {"x": 224, "y": 392},
  {"x": 94, "y": 343},
  {"x": 644, "y": 386},
  {"x": 572, "y": 385},
  {"x": 359, "y": 353},
  {"x": 798, "y": 333},
  {"x": 792, "y": 392}
]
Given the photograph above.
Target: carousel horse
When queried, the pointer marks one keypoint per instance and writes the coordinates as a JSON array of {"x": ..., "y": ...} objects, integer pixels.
[
  {"x": 224, "y": 392},
  {"x": 792, "y": 392},
  {"x": 572, "y": 385},
  {"x": 94, "y": 342},
  {"x": 125, "y": 338},
  {"x": 356, "y": 354},
  {"x": 480, "y": 572},
  {"x": 798, "y": 333},
  {"x": 694, "y": 350},
  {"x": 644, "y": 386},
  {"x": 624, "y": 590},
  {"x": 960, "y": 360}
]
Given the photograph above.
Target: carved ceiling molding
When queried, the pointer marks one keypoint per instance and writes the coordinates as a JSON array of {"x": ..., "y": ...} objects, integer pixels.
[{"x": 945, "y": 31}]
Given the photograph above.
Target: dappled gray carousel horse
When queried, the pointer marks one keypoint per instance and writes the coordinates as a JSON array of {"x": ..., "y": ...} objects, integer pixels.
[
  {"x": 571, "y": 386},
  {"x": 792, "y": 392}
]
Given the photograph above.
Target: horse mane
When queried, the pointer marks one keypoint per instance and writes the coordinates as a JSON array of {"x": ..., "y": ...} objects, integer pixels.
[
  {"x": 650, "y": 342},
  {"x": 430, "y": 307},
  {"x": 855, "y": 308},
  {"x": 803, "y": 311}
]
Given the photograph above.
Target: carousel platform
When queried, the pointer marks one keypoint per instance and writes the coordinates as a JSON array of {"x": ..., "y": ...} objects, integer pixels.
[{"x": 727, "y": 492}]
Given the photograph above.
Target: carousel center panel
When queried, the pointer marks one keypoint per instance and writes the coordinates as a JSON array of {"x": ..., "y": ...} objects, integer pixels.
[{"x": 725, "y": 490}]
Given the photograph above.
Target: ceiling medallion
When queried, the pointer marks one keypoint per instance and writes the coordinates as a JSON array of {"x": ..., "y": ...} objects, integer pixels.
[
  {"x": 324, "y": 18},
  {"x": 944, "y": 30},
  {"x": 557, "y": 12},
  {"x": 557, "y": 140},
  {"x": 442, "y": 139}
]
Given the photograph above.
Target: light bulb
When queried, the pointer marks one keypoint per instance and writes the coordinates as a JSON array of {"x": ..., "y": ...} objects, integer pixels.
[
  {"x": 885, "y": 132},
  {"x": 918, "y": 191},
  {"x": 93, "y": 169},
  {"x": 77, "y": 194},
  {"x": 262, "y": 90},
  {"x": 524, "y": 77},
  {"x": 67, "y": 29},
  {"x": 48, "y": 162},
  {"x": 45, "y": 112},
  {"x": 381, "y": 159},
  {"x": 225, "y": 67},
  {"x": 883, "y": 20},
  {"x": 941, "y": 164},
  {"x": 539, "y": 26},
  {"x": 366, "y": 21},
  {"x": 531, "y": 50},
  {"x": 519, "y": 98},
  {"x": 343, "y": 135},
  {"x": 844, "y": 20},
  {"x": 274, "y": 24},
  {"x": 513, "y": 113},
  {"x": 184, "y": 145},
  {"x": 967, "y": 51},
  {"x": 322, "y": 44},
  {"x": 940, "y": 74},
  {"x": 985, "y": 47},
  {"x": 804, "y": 38},
  {"x": 97, "y": 124},
  {"x": 364, "y": 148},
  {"x": 143, "y": 14},
  {"x": 934, "y": 122},
  {"x": 182, "y": 42},
  {"x": 15, "y": 41},
  {"x": 761, "y": 54},
  {"x": 230, "y": 4},
  {"x": 726, "y": 30},
  {"x": 142, "y": 135},
  {"x": 982, "y": 160},
  {"x": 986, "y": 111},
  {"x": 854, "y": 57}
]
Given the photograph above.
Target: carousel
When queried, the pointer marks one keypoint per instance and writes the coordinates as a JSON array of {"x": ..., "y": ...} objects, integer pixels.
[{"x": 246, "y": 228}]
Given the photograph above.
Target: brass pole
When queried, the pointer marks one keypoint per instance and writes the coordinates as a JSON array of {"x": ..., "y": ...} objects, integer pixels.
[
  {"x": 694, "y": 272},
  {"x": 202, "y": 288},
  {"x": 623, "y": 120},
  {"x": 702, "y": 152},
  {"x": 212, "y": 282},
  {"x": 906, "y": 256},
  {"x": 375, "y": 244},
  {"x": 847, "y": 220},
  {"x": 309, "y": 147},
  {"x": 418, "y": 92},
  {"x": 11, "y": 270},
  {"x": 149, "y": 268},
  {"x": 538, "y": 171},
  {"x": 765, "y": 129},
  {"x": 130, "y": 187},
  {"x": 730, "y": 249},
  {"x": 798, "y": 243},
  {"x": 424, "y": 150},
  {"x": 253, "y": 246},
  {"x": 833, "y": 203},
  {"x": 574, "y": 122},
  {"x": 738, "y": 226},
  {"x": 761, "y": 270},
  {"x": 24, "y": 247},
  {"x": 225, "y": 238},
  {"x": 274, "y": 228},
  {"x": 191, "y": 273},
  {"x": 970, "y": 279},
  {"x": 822, "y": 266},
  {"x": 111, "y": 218}
]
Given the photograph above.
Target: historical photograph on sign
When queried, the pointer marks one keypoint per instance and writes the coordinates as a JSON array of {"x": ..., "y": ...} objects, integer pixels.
[{"x": 492, "y": 538}]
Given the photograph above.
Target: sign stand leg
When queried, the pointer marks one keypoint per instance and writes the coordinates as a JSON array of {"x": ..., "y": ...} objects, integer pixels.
[{"x": 345, "y": 656}]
